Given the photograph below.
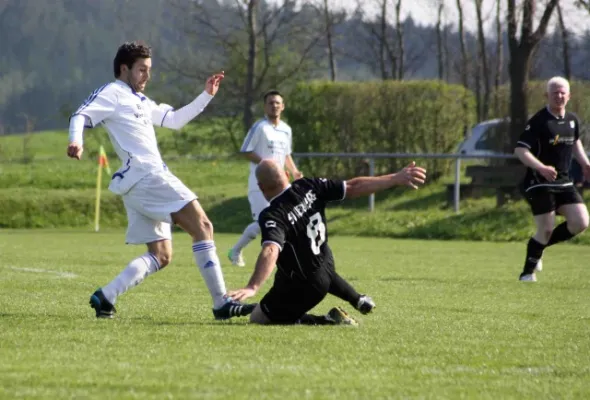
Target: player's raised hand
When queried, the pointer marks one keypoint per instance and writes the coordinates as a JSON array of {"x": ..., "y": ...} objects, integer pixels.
[
  {"x": 548, "y": 172},
  {"x": 411, "y": 176},
  {"x": 241, "y": 294},
  {"x": 213, "y": 82},
  {"x": 75, "y": 150}
]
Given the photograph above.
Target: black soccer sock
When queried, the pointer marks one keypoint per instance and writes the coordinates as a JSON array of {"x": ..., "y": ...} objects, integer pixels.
[
  {"x": 560, "y": 234},
  {"x": 534, "y": 252},
  {"x": 310, "y": 319},
  {"x": 343, "y": 290}
]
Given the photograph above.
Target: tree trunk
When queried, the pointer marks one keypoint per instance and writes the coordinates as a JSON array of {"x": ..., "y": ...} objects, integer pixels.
[
  {"x": 464, "y": 57},
  {"x": 382, "y": 39},
  {"x": 484, "y": 62},
  {"x": 328, "y": 19},
  {"x": 251, "y": 65},
  {"x": 439, "y": 42},
  {"x": 519, "y": 76},
  {"x": 476, "y": 66},
  {"x": 520, "y": 60},
  {"x": 399, "y": 28},
  {"x": 446, "y": 50},
  {"x": 499, "y": 60},
  {"x": 464, "y": 61},
  {"x": 566, "y": 45}
]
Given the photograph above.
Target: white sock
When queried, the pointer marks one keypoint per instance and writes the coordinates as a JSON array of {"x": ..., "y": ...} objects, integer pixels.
[
  {"x": 206, "y": 257},
  {"x": 136, "y": 271},
  {"x": 249, "y": 235}
]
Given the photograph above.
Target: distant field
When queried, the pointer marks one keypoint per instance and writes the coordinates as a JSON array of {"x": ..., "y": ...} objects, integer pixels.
[
  {"x": 60, "y": 192},
  {"x": 208, "y": 136},
  {"x": 451, "y": 322}
]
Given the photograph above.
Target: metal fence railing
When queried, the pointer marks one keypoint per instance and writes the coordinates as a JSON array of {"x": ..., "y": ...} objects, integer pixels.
[{"x": 371, "y": 157}]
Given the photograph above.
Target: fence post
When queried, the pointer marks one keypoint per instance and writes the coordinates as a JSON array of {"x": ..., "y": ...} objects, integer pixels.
[
  {"x": 457, "y": 188},
  {"x": 372, "y": 195}
]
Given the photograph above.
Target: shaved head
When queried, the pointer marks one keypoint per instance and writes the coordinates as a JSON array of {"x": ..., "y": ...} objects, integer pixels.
[{"x": 271, "y": 178}]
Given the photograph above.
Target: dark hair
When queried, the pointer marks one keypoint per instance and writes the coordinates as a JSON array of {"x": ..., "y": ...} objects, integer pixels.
[
  {"x": 128, "y": 53},
  {"x": 271, "y": 93}
]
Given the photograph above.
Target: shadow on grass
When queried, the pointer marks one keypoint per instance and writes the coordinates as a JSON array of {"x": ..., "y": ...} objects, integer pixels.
[
  {"x": 231, "y": 215},
  {"x": 487, "y": 224},
  {"x": 237, "y": 323},
  {"x": 362, "y": 203},
  {"x": 433, "y": 200}
]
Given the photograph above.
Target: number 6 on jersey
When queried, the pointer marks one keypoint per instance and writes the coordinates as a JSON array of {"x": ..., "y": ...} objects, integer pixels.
[{"x": 316, "y": 231}]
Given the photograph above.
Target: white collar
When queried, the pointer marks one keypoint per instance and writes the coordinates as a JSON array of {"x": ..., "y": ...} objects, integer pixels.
[{"x": 126, "y": 85}]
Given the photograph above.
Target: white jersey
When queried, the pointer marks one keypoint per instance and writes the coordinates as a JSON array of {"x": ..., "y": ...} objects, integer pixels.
[
  {"x": 128, "y": 117},
  {"x": 268, "y": 141}
]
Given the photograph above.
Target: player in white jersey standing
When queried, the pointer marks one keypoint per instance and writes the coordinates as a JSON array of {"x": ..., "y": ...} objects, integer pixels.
[
  {"x": 153, "y": 197},
  {"x": 269, "y": 138}
]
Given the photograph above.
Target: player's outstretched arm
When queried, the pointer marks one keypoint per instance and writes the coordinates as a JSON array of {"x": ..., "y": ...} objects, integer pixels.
[
  {"x": 179, "y": 118},
  {"x": 411, "y": 176},
  {"x": 265, "y": 264},
  {"x": 75, "y": 146},
  {"x": 527, "y": 158}
]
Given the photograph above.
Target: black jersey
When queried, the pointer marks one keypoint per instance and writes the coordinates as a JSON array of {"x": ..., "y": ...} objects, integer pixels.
[
  {"x": 295, "y": 220},
  {"x": 551, "y": 140}
]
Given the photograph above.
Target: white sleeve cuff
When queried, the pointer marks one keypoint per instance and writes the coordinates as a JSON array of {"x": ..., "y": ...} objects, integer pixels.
[
  {"x": 179, "y": 118},
  {"x": 76, "y": 131},
  {"x": 523, "y": 144},
  {"x": 273, "y": 242}
]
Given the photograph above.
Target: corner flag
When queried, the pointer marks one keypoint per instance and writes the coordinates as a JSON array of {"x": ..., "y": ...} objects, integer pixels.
[{"x": 103, "y": 162}]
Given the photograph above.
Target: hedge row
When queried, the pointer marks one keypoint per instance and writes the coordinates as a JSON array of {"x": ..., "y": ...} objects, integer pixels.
[
  {"x": 40, "y": 208},
  {"x": 384, "y": 116}
]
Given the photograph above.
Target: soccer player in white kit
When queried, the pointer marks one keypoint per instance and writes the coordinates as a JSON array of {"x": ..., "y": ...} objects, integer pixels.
[
  {"x": 269, "y": 138},
  {"x": 153, "y": 197}
]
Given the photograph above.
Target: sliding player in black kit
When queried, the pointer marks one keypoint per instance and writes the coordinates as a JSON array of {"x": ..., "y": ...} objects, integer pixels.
[
  {"x": 295, "y": 239},
  {"x": 546, "y": 147}
]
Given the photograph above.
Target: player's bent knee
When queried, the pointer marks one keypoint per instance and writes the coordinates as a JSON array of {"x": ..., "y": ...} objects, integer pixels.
[
  {"x": 580, "y": 222},
  {"x": 206, "y": 226},
  {"x": 577, "y": 227},
  {"x": 203, "y": 230}
]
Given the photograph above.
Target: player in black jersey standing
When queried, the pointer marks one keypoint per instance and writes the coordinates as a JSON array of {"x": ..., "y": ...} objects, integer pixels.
[
  {"x": 295, "y": 239},
  {"x": 546, "y": 147}
]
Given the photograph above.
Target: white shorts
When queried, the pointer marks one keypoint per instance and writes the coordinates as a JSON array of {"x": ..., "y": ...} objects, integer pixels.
[
  {"x": 257, "y": 203},
  {"x": 149, "y": 204}
]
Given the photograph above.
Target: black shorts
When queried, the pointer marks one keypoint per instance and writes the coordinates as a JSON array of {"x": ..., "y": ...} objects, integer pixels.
[
  {"x": 289, "y": 299},
  {"x": 543, "y": 200}
]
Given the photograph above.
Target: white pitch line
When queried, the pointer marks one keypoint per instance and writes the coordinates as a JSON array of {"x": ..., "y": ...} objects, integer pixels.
[{"x": 46, "y": 271}]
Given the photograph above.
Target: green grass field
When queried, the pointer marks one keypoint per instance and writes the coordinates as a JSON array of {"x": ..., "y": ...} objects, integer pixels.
[{"x": 451, "y": 322}]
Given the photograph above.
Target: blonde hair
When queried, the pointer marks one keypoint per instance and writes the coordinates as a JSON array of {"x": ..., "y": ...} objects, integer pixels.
[{"x": 559, "y": 82}]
